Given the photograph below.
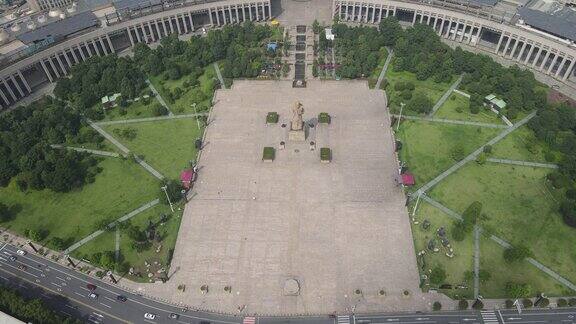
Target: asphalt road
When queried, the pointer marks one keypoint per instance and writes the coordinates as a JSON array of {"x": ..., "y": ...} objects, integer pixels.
[{"x": 64, "y": 290}]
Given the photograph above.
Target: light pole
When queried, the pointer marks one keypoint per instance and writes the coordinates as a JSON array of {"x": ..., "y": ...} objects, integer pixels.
[
  {"x": 167, "y": 197},
  {"x": 196, "y": 113},
  {"x": 400, "y": 117}
]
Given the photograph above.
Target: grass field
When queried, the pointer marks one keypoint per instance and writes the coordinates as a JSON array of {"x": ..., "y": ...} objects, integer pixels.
[
  {"x": 449, "y": 111},
  {"x": 168, "y": 232},
  {"x": 166, "y": 145},
  {"x": 520, "y": 207},
  {"x": 520, "y": 145},
  {"x": 183, "y": 105},
  {"x": 121, "y": 187},
  {"x": 427, "y": 146},
  {"x": 501, "y": 272},
  {"x": 433, "y": 90},
  {"x": 455, "y": 267}
]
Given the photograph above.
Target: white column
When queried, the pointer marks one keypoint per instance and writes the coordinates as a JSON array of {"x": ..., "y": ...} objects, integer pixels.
[
  {"x": 5, "y": 98},
  {"x": 210, "y": 15},
  {"x": 543, "y": 64},
  {"x": 506, "y": 46},
  {"x": 192, "y": 21},
  {"x": 441, "y": 26},
  {"x": 435, "y": 23},
  {"x": 250, "y": 12},
  {"x": 178, "y": 25},
  {"x": 422, "y": 17},
  {"x": 130, "y": 36},
  {"x": 414, "y": 18},
  {"x": 374, "y": 14},
  {"x": 231, "y": 17},
  {"x": 171, "y": 25},
  {"x": 184, "y": 15},
  {"x": 87, "y": 45},
  {"x": 537, "y": 56},
  {"x": 270, "y": 11},
  {"x": 157, "y": 27},
  {"x": 569, "y": 71},
  {"x": 447, "y": 34},
  {"x": 96, "y": 49},
  {"x": 67, "y": 59},
  {"x": 522, "y": 49},
  {"x": 10, "y": 90},
  {"x": 455, "y": 30},
  {"x": 137, "y": 34},
  {"x": 110, "y": 43},
  {"x": 163, "y": 23},
  {"x": 514, "y": 47},
  {"x": 53, "y": 67},
  {"x": 61, "y": 64},
  {"x": 103, "y": 46},
  {"x": 346, "y": 13},
  {"x": 560, "y": 67},
  {"x": 17, "y": 85},
  {"x": 552, "y": 64},
  {"x": 218, "y": 16},
  {"x": 529, "y": 54},
  {"x": 144, "y": 35},
  {"x": 499, "y": 43},
  {"x": 24, "y": 81},
  {"x": 81, "y": 52},
  {"x": 461, "y": 37},
  {"x": 258, "y": 18},
  {"x": 152, "y": 31},
  {"x": 354, "y": 11},
  {"x": 76, "y": 60}
]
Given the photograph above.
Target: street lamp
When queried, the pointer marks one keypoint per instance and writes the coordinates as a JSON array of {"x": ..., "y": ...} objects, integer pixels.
[
  {"x": 400, "y": 117},
  {"x": 196, "y": 113},
  {"x": 167, "y": 197}
]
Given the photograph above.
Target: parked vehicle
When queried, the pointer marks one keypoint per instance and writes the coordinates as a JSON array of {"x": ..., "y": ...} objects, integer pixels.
[
  {"x": 91, "y": 287},
  {"x": 149, "y": 316},
  {"x": 121, "y": 298},
  {"x": 21, "y": 252}
]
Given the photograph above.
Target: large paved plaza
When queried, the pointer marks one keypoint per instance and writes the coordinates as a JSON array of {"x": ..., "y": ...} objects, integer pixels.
[{"x": 334, "y": 228}]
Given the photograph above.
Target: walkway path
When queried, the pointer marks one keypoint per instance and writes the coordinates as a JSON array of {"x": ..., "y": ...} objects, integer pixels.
[
  {"x": 117, "y": 246},
  {"x": 219, "y": 74},
  {"x": 125, "y": 150},
  {"x": 149, "y": 119},
  {"x": 472, "y": 156},
  {"x": 384, "y": 68},
  {"x": 80, "y": 149},
  {"x": 524, "y": 163},
  {"x": 446, "y": 95},
  {"x": 112, "y": 224},
  {"x": 477, "y": 232},
  {"x": 452, "y": 121},
  {"x": 159, "y": 97},
  {"x": 503, "y": 243}
]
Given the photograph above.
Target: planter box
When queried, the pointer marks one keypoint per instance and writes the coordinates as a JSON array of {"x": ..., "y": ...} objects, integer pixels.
[
  {"x": 268, "y": 154},
  {"x": 272, "y": 118},
  {"x": 325, "y": 155}
]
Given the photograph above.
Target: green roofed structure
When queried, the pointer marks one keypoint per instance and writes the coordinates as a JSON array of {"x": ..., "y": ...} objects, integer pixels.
[{"x": 494, "y": 102}]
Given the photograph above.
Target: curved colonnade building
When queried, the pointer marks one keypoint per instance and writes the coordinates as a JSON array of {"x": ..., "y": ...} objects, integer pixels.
[
  {"x": 34, "y": 56},
  {"x": 41, "y": 48}
]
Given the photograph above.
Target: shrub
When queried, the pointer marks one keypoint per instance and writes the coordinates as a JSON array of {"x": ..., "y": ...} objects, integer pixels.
[
  {"x": 268, "y": 154},
  {"x": 409, "y": 85},
  {"x": 561, "y": 302},
  {"x": 457, "y": 153},
  {"x": 438, "y": 275},
  {"x": 478, "y": 305},
  {"x": 474, "y": 109},
  {"x": 436, "y": 306},
  {"x": 487, "y": 149},
  {"x": 399, "y": 86},
  {"x": 543, "y": 302},
  {"x": 458, "y": 231},
  {"x": 516, "y": 253},
  {"x": 159, "y": 110},
  {"x": 272, "y": 117},
  {"x": 518, "y": 290},
  {"x": 325, "y": 154},
  {"x": 527, "y": 303},
  {"x": 459, "y": 109},
  {"x": 324, "y": 118},
  {"x": 481, "y": 158},
  {"x": 463, "y": 304},
  {"x": 406, "y": 95},
  {"x": 549, "y": 157},
  {"x": 509, "y": 303},
  {"x": 572, "y": 302},
  {"x": 420, "y": 103}
]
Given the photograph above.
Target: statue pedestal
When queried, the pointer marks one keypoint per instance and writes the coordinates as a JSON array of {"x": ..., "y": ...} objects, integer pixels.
[{"x": 297, "y": 135}]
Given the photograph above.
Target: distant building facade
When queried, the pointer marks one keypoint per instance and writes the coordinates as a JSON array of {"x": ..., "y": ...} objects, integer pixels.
[{"x": 38, "y": 5}]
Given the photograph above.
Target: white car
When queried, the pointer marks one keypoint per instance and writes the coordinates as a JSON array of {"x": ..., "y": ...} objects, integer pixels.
[
  {"x": 149, "y": 316},
  {"x": 21, "y": 252}
]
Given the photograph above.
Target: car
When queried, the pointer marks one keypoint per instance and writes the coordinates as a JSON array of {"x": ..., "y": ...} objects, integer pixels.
[
  {"x": 91, "y": 287},
  {"x": 174, "y": 316},
  {"x": 121, "y": 298},
  {"x": 22, "y": 267},
  {"x": 21, "y": 252},
  {"x": 149, "y": 316},
  {"x": 93, "y": 296},
  {"x": 12, "y": 258}
]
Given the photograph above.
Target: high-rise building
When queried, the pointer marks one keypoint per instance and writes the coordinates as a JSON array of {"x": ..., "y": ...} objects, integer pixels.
[{"x": 38, "y": 5}]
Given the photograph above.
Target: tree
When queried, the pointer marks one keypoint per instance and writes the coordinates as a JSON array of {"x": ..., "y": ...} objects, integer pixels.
[
  {"x": 518, "y": 290},
  {"x": 58, "y": 243},
  {"x": 107, "y": 260},
  {"x": 420, "y": 103},
  {"x": 436, "y": 306},
  {"x": 159, "y": 110},
  {"x": 173, "y": 189},
  {"x": 390, "y": 30},
  {"x": 5, "y": 214},
  {"x": 438, "y": 275},
  {"x": 463, "y": 304},
  {"x": 484, "y": 275},
  {"x": 516, "y": 253},
  {"x": 568, "y": 211}
]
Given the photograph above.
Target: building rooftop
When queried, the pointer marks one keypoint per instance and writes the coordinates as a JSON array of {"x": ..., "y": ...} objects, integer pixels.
[
  {"x": 61, "y": 28},
  {"x": 561, "y": 23},
  {"x": 135, "y": 4}
]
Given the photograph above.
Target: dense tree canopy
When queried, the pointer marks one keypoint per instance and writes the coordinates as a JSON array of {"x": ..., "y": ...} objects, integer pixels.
[
  {"x": 358, "y": 50},
  {"x": 25, "y": 137}
]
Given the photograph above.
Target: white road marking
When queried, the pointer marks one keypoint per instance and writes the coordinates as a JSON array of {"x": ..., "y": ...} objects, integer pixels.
[
  {"x": 110, "y": 299},
  {"x": 183, "y": 322},
  {"x": 67, "y": 314},
  {"x": 79, "y": 294},
  {"x": 149, "y": 321},
  {"x": 3, "y": 246},
  {"x": 105, "y": 305},
  {"x": 55, "y": 284},
  {"x": 69, "y": 306},
  {"x": 60, "y": 278}
]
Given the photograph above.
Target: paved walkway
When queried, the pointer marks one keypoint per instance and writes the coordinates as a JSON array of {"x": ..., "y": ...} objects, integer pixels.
[
  {"x": 446, "y": 95},
  {"x": 452, "y": 121},
  {"x": 117, "y": 246},
  {"x": 503, "y": 243},
  {"x": 159, "y": 97},
  {"x": 112, "y": 224},
  {"x": 524, "y": 163},
  {"x": 384, "y": 68},
  {"x": 80, "y": 149},
  {"x": 219, "y": 74},
  {"x": 148, "y": 119},
  {"x": 477, "y": 232},
  {"x": 471, "y": 156},
  {"x": 462, "y": 93},
  {"x": 125, "y": 150}
]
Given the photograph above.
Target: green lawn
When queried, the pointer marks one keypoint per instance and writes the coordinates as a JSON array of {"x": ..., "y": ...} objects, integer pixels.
[
  {"x": 432, "y": 89},
  {"x": 136, "y": 109},
  {"x": 427, "y": 145},
  {"x": 166, "y": 145},
  {"x": 501, "y": 272},
  {"x": 449, "y": 110},
  {"x": 121, "y": 187},
  {"x": 520, "y": 207},
  {"x": 201, "y": 94},
  {"x": 520, "y": 145},
  {"x": 168, "y": 232},
  {"x": 455, "y": 267}
]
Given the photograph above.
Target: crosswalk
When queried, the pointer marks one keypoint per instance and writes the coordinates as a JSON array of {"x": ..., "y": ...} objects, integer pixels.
[
  {"x": 249, "y": 320},
  {"x": 343, "y": 319},
  {"x": 489, "y": 317}
]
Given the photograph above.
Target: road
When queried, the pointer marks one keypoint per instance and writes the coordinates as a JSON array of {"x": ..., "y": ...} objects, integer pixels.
[{"x": 64, "y": 290}]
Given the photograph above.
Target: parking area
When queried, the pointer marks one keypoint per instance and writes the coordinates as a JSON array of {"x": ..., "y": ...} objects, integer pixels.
[{"x": 254, "y": 232}]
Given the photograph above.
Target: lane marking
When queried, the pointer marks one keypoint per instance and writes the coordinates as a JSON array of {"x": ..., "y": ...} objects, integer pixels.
[
  {"x": 69, "y": 297},
  {"x": 105, "y": 305},
  {"x": 79, "y": 294},
  {"x": 55, "y": 284},
  {"x": 149, "y": 321},
  {"x": 26, "y": 272}
]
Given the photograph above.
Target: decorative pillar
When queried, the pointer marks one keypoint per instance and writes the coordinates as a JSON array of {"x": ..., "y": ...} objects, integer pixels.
[
  {"x": 178, "y": 25},
  {"x": 110, "y": 44},
  {"x": 499, "y": 43},
  {"x": 461, "y": 38},
  {"x": 218, "y": 16},
  {"x": 17, "y": 85},
  {"x": 152, "y": 31},
  {"x": 53, "y": 67},
  {"x": 447, "y": 34},
  {"x": 10, "y": 90},
  {"x": 164, "y": 28},
  {"x": 455, "y": 31},
  {"x": 414, "y": 18},
  {"x": 76, "y": 60},
  {"x": 506, "y": 46},
  {"x": 250, "y": 12},
  {"x": 130, "y": 36},
  {"x": 170, "y": 23},
  {"x": 7, "y": 102},
  {"x": 137, "y": 34},
  {"x": 554, "y": 60},
  {"x": 65, "y": 54},
  {"x": 81, "y": 52},
  {"x": 103, "y": 45},
  {"x": 529, "y": 54},
  {"x": 522, "y": 49},
  {"x": 61, "y": 65},
  {"x": 270, "y": 11},
  {"x": 24, "y": 81},
  {"x": 537, "y": 56},
  {"x": 560, "y": 67},
  {"x": 422, "y": 18},
  {"x": 210, "y": 15},
  {"x": 516, "y": 42},
  {"x": 543, "y": 64},
  {"x": 569, "y": 71}
]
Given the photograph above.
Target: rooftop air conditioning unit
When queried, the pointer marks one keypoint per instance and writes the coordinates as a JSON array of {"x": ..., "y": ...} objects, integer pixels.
[
  {"x": 41, "y": 19},
  {"x": 31, "y": 25},
  {"x": 15, "y": 27},
  {"x": 54, "y": 13}
]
